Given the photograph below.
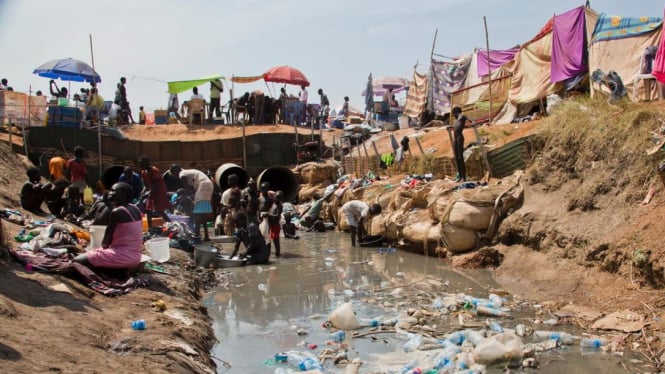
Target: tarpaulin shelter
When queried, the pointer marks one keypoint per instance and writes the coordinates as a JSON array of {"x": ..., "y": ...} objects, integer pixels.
[
  {"x": 618, "y": 44},
  {"x": 569, "y": 45},
  {"x": 176, "y": 87},
  {"x": 474, "y": 95}
]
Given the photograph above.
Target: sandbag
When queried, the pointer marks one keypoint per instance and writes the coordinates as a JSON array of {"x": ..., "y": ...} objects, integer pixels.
[
  {"x": 437, "y": 208},
  {"x": 400, "y": 199},
  {"x": 394, "y": 225},
  {"x": 344, "y": 317},
  {"x": 457, "y": 239},
  {"x": 470, "y": 216},
  {"x": 505, "y": 347},
  {"x": 418, "y": 228},
  {"x": 316, "y": 172}
]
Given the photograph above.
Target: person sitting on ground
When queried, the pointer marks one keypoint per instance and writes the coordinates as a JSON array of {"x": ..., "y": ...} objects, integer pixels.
[
  {"x": 289, "y": 227},
  {"x": 57, "y": 92},
  {"x": 4, "y": 84},
  {"x": 33, "y": 192},
  {"x": 39, "y": 93},
  {"x": 73, "y": 203},
  {"x": 355, "y": 212},
  {"x": 123, "y": 238},
  {"x": 100, "y": 211},
  {"x": 311, "y": 223},
  {"x": 55, "y": 197},
  {"x": 133, "y": 179}
]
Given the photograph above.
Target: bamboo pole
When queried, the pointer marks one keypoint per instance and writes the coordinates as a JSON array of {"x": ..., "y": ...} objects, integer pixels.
[{"x": 489, "y": 67}]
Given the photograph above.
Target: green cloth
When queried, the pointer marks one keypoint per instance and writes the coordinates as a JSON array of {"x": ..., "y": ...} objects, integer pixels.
[{"x": 182, "y": 86}]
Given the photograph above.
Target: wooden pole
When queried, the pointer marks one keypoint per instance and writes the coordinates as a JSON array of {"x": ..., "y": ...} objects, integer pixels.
[
  {"x": 489, "y": 67},
  {"x": 370, "y": 166},
  {"x": 99, "y": 125},
  {"x": 333, "y": 148},
  {"x": 244, "y": 147},
  {"x": 420, "y": 146}
]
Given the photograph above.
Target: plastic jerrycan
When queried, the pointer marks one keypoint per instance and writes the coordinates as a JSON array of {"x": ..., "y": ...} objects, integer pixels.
[{"x": 87, "y": 196}]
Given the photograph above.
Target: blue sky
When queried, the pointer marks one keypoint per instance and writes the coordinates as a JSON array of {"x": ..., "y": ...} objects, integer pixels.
[{"x": 335, "y": 43}]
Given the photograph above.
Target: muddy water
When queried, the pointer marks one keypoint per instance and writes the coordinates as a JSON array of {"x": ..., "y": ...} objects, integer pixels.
[{"x": 259, "y": 312}]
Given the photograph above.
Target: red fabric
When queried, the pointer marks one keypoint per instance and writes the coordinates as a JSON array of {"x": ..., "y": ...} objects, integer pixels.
[
  {"x": 658, "y": 70},
  {"x": 274, "y": 231},
  {"x": 77, "y": 170},
  {"x": 153, "y": 180}
]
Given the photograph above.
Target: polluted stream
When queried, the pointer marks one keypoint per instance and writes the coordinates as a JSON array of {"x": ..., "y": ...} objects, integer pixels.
[{"x": 276, "y": 318}]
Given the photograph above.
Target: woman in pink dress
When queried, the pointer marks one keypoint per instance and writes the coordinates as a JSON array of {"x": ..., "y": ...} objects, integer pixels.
[{"x": 123, "y": 238}]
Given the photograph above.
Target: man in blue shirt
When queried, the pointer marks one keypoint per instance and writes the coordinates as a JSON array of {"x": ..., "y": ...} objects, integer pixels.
[{"x": 134, "y": 179}]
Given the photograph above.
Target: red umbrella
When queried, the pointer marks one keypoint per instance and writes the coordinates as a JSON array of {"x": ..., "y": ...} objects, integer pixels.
[{"x": 286, "y": 74}]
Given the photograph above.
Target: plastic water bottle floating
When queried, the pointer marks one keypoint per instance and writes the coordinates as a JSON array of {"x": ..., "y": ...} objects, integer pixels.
[{"x": 338, "y": 336}]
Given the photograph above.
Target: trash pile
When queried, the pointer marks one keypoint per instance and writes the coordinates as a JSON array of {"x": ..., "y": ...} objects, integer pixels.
[{"x": 445, "y": 333}]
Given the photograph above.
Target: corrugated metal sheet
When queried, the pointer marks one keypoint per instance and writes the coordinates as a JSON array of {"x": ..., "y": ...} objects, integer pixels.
[{"x": 509, "y": 157}]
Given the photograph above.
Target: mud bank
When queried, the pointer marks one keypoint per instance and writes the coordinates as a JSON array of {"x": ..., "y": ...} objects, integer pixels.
[{"x": 52, "y": 323}]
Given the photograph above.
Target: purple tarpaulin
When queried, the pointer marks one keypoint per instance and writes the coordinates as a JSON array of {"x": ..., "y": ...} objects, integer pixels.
[
  {"x": 497, "y": 58},
  {"x": 568, "y": 45}
]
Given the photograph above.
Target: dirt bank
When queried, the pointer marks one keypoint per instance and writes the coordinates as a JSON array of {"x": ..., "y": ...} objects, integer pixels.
[{"x": 52, "y": 323}]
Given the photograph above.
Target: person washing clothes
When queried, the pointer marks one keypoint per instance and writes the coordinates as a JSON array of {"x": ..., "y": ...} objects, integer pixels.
[{"x": 355, "y": 212}]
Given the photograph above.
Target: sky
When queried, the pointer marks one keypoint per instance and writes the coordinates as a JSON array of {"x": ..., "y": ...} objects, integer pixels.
[{"x": 336, "y": 44}]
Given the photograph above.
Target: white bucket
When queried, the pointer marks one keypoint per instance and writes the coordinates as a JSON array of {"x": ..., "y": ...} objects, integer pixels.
[
  {"x": 159, "y": 249},
  {"x": 403, "y": 122},
  {"x": 96, "y": 236}
]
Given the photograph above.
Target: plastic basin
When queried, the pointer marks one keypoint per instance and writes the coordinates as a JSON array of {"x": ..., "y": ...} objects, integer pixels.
[
  {"x": 159, "y": 249},
  {"x": 204, "y": 254}
]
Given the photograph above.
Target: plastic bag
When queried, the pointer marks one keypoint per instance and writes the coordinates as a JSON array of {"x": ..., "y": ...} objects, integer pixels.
[{"x": 264, "y": 228}]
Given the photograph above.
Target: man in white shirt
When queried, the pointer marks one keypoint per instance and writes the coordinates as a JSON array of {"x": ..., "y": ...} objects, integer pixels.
[
  {"x": 196, "y": 95},
  {"x": 355, "y": 212},
  {"x": 303, "y": 101}
]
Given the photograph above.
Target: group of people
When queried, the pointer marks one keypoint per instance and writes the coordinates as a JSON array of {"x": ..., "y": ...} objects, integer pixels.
[{"x": 63, "y": 194}]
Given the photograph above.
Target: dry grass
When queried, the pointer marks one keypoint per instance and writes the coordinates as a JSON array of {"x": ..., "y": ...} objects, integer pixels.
[{"x": 601, "y": 145}]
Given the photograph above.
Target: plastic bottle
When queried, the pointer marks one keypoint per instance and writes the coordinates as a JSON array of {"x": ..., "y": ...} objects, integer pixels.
[
  {"x": 496, "y": 300},
  {"x": 520, "y": 330},
  {"x": 482, "y": 310},
  {"x": 338, "y": 336},
  {"x": 495, "y": 326},
  {"x": 437, "y": 303},
  {"x": 592, "y": 342},
  {"x": 561, "y": 337},
  {"x": 413, "y": 343},
  {"x": 456, "y": 337},
  {"x": 474, "y": 337},
  {"x": 369, "y": 322},
  {"x": 408, "y": 368},
  {"x": 303, "y": 360}
]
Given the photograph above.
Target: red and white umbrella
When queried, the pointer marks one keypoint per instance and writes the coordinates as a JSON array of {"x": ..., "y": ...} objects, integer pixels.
[{"x": 286, "y": 74}]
